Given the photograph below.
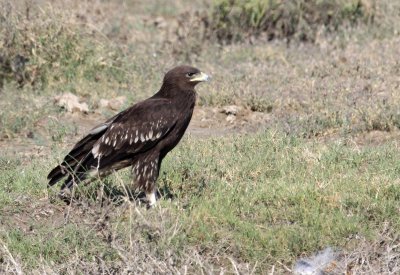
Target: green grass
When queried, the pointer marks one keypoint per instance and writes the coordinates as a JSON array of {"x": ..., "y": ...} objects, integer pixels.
[
  {"x": 259, "y": 199},
  {"x": 279, "y": 196}
]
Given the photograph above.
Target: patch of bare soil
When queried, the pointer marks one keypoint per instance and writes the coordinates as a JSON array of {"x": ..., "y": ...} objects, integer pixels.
[
  {"x": 39, "y": 212},
  {"x": 33, "y": 215},
  {"x": 374, "y": 138},
  {"x": 209, "y": 122}
]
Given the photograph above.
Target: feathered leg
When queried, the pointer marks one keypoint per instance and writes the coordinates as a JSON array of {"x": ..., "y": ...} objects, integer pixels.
[
  {"x": 151, "y": 198},
  {"x": 145, "y": 174}
]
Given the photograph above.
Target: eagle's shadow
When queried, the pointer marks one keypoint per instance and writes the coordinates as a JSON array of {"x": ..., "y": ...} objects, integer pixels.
[
  {"x": 117, "y": 195},
  {"x": 105, "y": 193}
]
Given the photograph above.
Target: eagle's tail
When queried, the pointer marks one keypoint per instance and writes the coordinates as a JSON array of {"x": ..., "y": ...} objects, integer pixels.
[
  {"x": 74, "y": 168},
  {"x": 55, "y": 175},
  {"x": 76, "y": 162}
]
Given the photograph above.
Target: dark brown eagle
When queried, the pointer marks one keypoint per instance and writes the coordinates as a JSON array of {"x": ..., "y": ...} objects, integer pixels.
[{"x": 140, "y": 136}]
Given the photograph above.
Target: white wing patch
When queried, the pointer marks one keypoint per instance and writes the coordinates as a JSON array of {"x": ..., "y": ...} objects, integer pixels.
[{"x": 98, "y": 129}]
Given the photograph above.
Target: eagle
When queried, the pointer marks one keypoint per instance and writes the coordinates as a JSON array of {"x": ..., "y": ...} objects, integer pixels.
[{"x": 139, "y": 137}]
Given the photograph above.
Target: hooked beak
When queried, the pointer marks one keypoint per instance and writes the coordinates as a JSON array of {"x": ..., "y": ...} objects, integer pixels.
[{"x": 201, "y": 77}]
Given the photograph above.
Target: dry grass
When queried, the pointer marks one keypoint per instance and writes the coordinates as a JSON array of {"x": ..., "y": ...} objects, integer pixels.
[
  {"x": 302, "y": 20},
  {"x": 226, "y": 196}
]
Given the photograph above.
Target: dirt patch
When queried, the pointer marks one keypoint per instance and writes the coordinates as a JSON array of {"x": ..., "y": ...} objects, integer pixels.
[
  {"x": 30, "y": 215},
  {"x": 32, "y": 212},
  {"x": 210, "y": 122},
  {"x": 374, "y": 138}
]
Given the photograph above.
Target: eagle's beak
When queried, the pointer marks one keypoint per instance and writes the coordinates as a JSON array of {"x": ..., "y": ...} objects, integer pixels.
[{"x": 201, "y": 77}]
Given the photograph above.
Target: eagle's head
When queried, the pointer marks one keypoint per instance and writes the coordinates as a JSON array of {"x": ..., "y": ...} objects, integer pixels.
[{"x": 185, "y": 77}]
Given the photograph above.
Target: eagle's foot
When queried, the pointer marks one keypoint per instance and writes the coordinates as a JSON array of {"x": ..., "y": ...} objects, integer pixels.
[{"x": 151, "y": 199}]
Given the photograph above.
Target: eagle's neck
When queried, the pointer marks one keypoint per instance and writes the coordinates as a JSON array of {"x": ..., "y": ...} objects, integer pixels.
[{"x": 182, "y": 98}]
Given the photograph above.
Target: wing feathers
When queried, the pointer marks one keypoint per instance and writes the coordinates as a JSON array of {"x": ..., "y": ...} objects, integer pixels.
[
  {"x": 99, "y": 128},
  {"x": 132, "y": 131}
]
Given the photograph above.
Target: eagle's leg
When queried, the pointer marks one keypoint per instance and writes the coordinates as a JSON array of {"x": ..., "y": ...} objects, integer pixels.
[
  {"x": 145, "y": 174},
  {"x": 151, "y": 198}
]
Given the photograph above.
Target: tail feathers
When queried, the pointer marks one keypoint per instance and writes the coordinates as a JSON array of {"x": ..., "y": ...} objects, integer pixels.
[
  {"x": 77, "y": 159},
  {"x": 54, "y": 172},
  {"x": 71, "y": 180},
  {"x": 55, "y": 175},
  {"x": 66, "y": 167},
  {"x": 68, "y": 183},
  {"x": 62, "y": 170},
  {"x": 75, "y": 169}
]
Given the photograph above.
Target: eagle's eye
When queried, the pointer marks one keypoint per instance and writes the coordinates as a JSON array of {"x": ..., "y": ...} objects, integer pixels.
[{"x": 190, "y": 74}]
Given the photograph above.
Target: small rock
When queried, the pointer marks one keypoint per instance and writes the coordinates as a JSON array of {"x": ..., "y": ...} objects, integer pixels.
[
  {"x": 160, "y": 22},
  {"x": 231, "y": 118},
  {"x": 116, "y": 103},
  {"x": 113, "y": 104},
  {"x": 71, "y": 103},
  {"x": 230, "y": 110},
  {"x": 103, "y": 103}
]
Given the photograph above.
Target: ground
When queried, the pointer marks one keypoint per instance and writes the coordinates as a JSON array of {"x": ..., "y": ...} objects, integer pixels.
[{"x": 293, "y": 147}]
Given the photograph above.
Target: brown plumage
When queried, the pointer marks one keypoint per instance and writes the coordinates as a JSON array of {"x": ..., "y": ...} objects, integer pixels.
[{"x": 139, "y": 136}]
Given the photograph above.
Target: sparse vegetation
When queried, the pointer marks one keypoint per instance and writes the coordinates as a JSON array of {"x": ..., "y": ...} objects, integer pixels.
[
  {"x": 236, "y": 20},
  {"x": 317, "y": 164},
  {"x": 49, "y": 50}
]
